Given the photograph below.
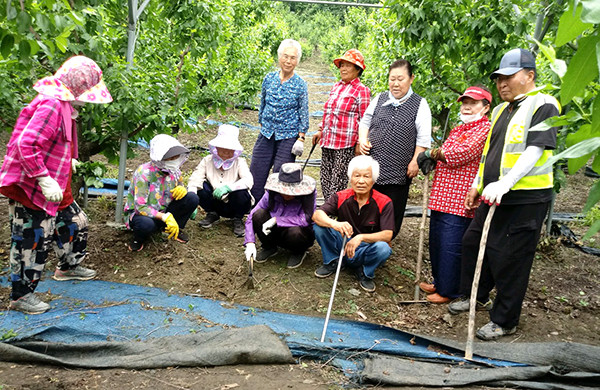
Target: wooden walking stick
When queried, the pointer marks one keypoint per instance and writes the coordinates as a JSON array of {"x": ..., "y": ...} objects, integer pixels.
[
  {"x": 422, "y": 235},
  {"x": 475, "y": 286},
  {"x": 337, "y": 275}
]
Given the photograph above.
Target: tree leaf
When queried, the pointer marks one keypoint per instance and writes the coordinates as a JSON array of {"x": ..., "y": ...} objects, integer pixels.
[
  {"x": 596, "y": 116},
  {"x": 570, "y": 26},
  {"x": 582, "y": 69},
  {"x": 575, "y": 163},
  {"x": 24, "y": 49},
  {"x": 591, "y": 11},
  {"x": 11, "y": 12},
  {"x": 6, "y": 46},
  {"x": 583, "y": 148},
  {"x": 23, "y": 22},
  {"x": 592, "y": 230},
  {"x": 61, "y": 43},
  {"x": 593, "y": 197}
]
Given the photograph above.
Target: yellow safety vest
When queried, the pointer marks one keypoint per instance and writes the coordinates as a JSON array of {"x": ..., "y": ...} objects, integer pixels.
[{"x": 515, "y": 143}]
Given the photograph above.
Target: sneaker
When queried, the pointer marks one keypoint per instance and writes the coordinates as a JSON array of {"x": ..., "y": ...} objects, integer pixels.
[
  {"x": 77, "y": 273},
  {"x": 136, "y": 246},
  {"x": 29, "y": 304},
  {"x": 238, "y": 227},
  {"x": 493, "y": 331},
  {"x": 461, "y": 305},
  {"x": 182, "y": 237},
  {"x": 365, "y": 282},
  {"x": 326, "y": 270},
  {"x": 264, "y": 253},
  {"x": 296, "y": 260},
  {"x": 209, "y": 220},
  {"x": 427, "y": 287}
]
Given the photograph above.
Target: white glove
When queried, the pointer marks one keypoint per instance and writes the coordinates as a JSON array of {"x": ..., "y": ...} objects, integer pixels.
[
  {"x": 493, "y": 192},
  {"x": 50, "y": 189},
  {"x": 298, "y": 148},
  {"x": 267, "y": 226},
  {"x": 250, "y": 250},
  {"x": 74, "y": 164}
]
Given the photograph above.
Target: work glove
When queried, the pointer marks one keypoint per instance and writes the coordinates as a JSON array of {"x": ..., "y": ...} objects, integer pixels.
[
  {"x": 179, "y": 192},
  {"x": 298, "y": 148},
  {"x": 493, "y": 192},
  {"x": 426, "y": 163},
  {"x": 267, "y": 226},
  {"x": 172, "y": 228},
  {"x": 50, "y": 189},
  {"x": 74, "y": 164},
  {"x": 250, "y": 250},
  {"x": 220, "y": 192}
]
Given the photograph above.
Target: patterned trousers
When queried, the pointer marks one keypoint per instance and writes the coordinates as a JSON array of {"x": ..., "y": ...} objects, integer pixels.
[
  {"x": 334, "y": 170},
  {"x": 32, "y": 234}
]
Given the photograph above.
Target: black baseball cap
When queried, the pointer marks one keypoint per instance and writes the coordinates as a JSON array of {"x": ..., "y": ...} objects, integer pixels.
[{"x": 514, "y": 61}]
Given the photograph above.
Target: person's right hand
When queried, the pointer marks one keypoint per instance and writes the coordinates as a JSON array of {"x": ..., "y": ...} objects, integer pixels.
[
  {"x": 426, "y": 163},
  {"x": 172, "y": 226},
  {"x": 250, "y": 250},
  {"x": 364, "y": 146},
  {"x": 472, "y": 200},
  {"x": 317, "y": 137},
  {"x": 267, "y": 226},
  {"x": 179, "y": 192},
  {"x": 50, "y": 189},
  {"x": 344, "y": 228}
]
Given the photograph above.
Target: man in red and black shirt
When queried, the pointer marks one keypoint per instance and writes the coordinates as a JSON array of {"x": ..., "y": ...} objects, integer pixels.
[{"x": 364, "y": 216}]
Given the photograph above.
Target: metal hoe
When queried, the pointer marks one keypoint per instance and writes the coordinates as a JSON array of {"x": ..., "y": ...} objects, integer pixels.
[
  {"x": 308, "y": 158},
  {"x": 337, "y": 275}
]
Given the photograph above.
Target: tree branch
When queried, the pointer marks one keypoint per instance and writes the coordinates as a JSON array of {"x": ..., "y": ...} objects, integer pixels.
[
  {"x": 35, "y": 34},
  {"x": 437, "y": 76}
]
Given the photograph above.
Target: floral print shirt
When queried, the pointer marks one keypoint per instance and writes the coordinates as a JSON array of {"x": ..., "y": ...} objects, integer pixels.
[
  {"x": 150, "y": 191},
  {"x": 283, "y": 107}
]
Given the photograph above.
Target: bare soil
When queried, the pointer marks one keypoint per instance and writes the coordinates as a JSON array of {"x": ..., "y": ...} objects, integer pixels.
[{"x": 562, "y": 302}]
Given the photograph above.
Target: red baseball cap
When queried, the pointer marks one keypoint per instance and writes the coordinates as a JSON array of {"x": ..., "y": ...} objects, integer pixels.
[{"x": 476, "y": 93}]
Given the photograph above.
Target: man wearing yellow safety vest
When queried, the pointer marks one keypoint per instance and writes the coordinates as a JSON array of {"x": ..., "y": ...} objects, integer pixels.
[{"x": 511, "y": 175}]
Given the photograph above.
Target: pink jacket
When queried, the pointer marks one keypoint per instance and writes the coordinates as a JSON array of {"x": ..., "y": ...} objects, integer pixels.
[{"x": 41, "y": 145}]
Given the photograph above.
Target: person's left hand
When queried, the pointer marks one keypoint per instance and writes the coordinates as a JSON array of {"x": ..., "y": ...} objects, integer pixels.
[
  {"x": 413, "y": 169},
  {"x": 179, "y": 192},
  {"x": 74, "y": 164},
  {"x": 426, "y": 163},
  {"x": 493, "y": 192},
  {"x": 267, "y": 226},
  {"x": 298, "y": 148},
  {"x": 220, "y": 192},
  {"x": 352, "y": 245}
]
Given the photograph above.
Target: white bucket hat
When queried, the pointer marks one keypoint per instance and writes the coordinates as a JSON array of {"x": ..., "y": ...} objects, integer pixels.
[{"x": 227, "y": 138}]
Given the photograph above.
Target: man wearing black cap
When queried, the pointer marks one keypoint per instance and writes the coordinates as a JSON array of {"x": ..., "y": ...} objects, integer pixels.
[{"x": 512, "y": 177}]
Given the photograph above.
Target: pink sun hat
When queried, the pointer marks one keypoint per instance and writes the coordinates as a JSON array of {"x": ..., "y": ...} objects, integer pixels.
[{"x": 79, "y": 78}]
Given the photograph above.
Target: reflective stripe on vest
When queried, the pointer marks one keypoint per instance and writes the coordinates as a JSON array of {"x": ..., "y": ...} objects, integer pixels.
[{"x": 515, "y": 143}]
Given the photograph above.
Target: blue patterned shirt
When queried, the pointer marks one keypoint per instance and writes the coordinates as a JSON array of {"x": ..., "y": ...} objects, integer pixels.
[{"x": 283, "y": 107}]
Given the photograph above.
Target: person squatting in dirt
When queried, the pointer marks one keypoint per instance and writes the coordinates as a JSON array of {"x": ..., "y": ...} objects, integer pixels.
[
  {"x": 223, "y": 181},
  {"x": 511, "y": 175},
  {"x": 157, "y": 198},
  {"x": 36, "y": 177},
  {"x": 364, "y": 216},
  {"x": 282, "y": 217}
]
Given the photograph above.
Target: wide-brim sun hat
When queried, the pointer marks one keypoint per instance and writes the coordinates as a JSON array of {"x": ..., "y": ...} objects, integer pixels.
[
  {"x": 291, "y": 181},
  {"x": 78, "y": 79},
  {"x": 354, "y": 56},
  {"x": 227, "y": 138},
  {"x": 513, "y": 61},
  {"x": 476, "y": 93}
]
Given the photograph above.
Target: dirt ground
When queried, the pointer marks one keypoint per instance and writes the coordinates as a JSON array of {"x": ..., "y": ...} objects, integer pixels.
[{"x": 562, "y": 302}]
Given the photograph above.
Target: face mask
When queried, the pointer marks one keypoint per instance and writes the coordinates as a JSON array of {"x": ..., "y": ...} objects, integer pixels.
[
  {"x": 173, "y": 165},
  {"x": 470, "y": 118}
]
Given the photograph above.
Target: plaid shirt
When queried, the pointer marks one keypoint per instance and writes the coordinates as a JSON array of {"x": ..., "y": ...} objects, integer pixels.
[
  {"x": 342, "y": 113},
  {"x": 39, "y": 146},
  {"x": 454, "y": 177}
]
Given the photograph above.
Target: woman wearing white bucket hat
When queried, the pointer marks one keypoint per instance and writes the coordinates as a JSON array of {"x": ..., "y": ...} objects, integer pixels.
[
  {"x": 283, "y": 216},
  {"x": 223, "y": 181}
]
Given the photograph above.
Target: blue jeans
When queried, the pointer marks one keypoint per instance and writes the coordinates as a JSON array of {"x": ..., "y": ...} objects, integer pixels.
[
  {"x": 445, "y": 247},
  {"x": 369, "y": 256}
]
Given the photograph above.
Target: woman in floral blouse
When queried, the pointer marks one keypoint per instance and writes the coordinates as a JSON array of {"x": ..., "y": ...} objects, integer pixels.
[
  {"x": 157, "y": 198},
  {"x": 456, "y": 164},
  {"x": 348, "y": 101},
  {"x": 283, "y": 117}
]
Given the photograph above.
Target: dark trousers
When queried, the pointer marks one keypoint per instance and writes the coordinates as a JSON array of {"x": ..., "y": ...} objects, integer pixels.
[
  {"x": 445, "y": 243},
  {"x": 181, "y": 209},
  {"x": 398, "y": 193},
  {"x": 296, "y": 239},
  {"x": 238, "y": 202},
  {"x": 512, "y": 240},
  {"x": 268, "y": 153}
]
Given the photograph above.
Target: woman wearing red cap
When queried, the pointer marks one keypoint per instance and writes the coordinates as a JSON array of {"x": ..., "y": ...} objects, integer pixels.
[
  {"x": 338, "y": 134},
  {"x": 456, "y": 164}
]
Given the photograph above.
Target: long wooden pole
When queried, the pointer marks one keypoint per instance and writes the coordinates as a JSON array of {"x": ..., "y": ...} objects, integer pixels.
[
  {"x": 475, "y": 286},
  {"x": 421, "y": 236}
]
